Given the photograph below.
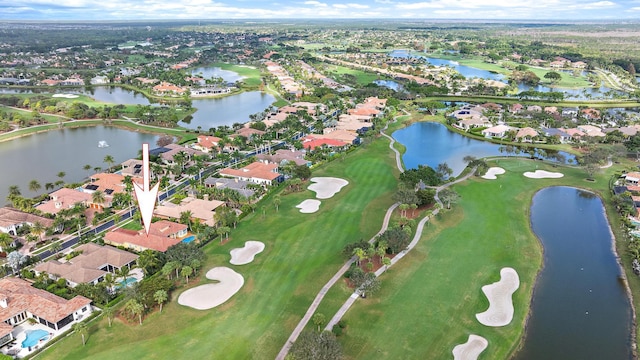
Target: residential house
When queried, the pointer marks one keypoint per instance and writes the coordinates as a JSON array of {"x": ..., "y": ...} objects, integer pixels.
[
  {"x": 632, "y": 178},
  {"x": 474, "y": 122},
  {"x": 311, "y": 143},
  {"x": 534, "y": 108},
  {"x": 20, "y": 301},
  {"x": 516, "y": 108},
  {"x": 591, "y": 113},
  {"x": 162, "y": 235},
  {"x": 90, "y": 267},
  {"x": 526, "y": 134},
  {"x": 591, "y": 130},
  {"x": 108, "y": 183},
  {"x": 11, "y": 220},
  {"x": 562, "y": 136},
  {"x": 256, "y": 172},
  {"x": 64, "y": 198},
  {"x": 206, "y": 143},
  {"x": 235, "y": 184},
  {"x": 282, "y": 156},
  {"x": 349, "y": 137},
  {"x": 498, "y": 131},
  {"x": 99, "y": 80},
  {"x": 132, "y": 167},
  {"x": 169, "y": 156},
  {"x": 202, "y": 210},
  {"x": 570, "y": 111},
  {"x": 165, "y": 88}
]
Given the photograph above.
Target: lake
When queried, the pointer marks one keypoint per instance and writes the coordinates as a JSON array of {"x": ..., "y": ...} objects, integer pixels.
[
  {"x": 580, "y": 309},
  {"x": 430, "y": 143},
  {"x": 214, "y": 112},
  {"x": 216, "y": 72},
  {"x": 41, "y": 156}
]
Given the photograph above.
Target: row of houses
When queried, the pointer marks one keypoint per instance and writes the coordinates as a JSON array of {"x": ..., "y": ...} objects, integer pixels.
[{"x": 286, "y": 81}]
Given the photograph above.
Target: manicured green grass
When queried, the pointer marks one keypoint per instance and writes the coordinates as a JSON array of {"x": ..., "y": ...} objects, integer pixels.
[
  {"x": 302, "y": 252},
  {"x": 362, "y": 77},
  {"x": 428, "y": 301},
  {"x": 250, "y": 73}
]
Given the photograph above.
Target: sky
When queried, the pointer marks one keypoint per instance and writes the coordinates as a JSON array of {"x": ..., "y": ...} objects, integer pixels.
[{"x": 564, "y": 10}]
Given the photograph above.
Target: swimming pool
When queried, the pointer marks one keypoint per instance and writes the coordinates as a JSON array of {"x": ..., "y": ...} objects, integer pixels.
[
  {"x": 128, "y": 281},
  {"x": 189, "y": 239},
  {"x": 33, "y": 337}
]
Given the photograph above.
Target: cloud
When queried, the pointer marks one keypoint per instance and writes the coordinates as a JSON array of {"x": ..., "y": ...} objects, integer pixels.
[{"x": 315, "y": 3}]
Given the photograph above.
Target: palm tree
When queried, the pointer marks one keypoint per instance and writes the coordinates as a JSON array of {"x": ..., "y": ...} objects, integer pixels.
[
  {"x": 5, "y": 241},
  {"x": 98, "y": 197},
  {"x": 86, "y": 168},
  {"x": 108, "y": 159},
  {"x": 38, "y": 229},
  {"x": 223, "y": 230},
  {"x": 160, "y": 296},
  {"x": 360, "y": 254},
  {"x": 108, "y": 312},
  {"x": 186, "y": 272},
  {"x": 185, "y": 218},
  {"x": 49, "y": 186},
  {"x": 135, "y": 308},
  {"x": 61, "y": 175},
  {"x": 56, "y": 246},
  {"x": 109, "y": 281},
  {"x": 148, "y": 260},
  {"x": 123, "y": 272},
  {"x": 276, "y": 202},
  {"x": 14, "y": 190},
  {"x": 80, "y": 328},
  {"x": 97, "y": 169},
  {"x": 386, "y": 262},
  {"x": 34, "y": 185}
]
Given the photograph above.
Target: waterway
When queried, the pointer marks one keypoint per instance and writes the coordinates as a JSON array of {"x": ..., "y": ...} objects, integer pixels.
[
  {"x": 580, "y": 309},
  {"x": 42, "y": 156},
  {"x": 429, "y": 143}
]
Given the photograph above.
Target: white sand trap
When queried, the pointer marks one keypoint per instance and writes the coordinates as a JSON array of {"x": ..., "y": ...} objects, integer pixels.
[
  {"x": 66, "y": 96},
  {"x": 309, "y": 206},
  {"x": 500, "y": 312},
  {"x": 541, "y": 174},
  {"x": 207, "y": 296},
  {"x": 471, "y": 349},
  {"x": 492, "y": 172},
  {"x": 246, "y": 254},
  {"x": 326, "y": 187}
]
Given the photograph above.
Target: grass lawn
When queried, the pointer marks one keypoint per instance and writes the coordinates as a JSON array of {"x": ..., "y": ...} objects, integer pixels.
[
  {"x": 427, "y": 303},
  {"x": 250, "y": 73},
  {"x": 302, "y": 252},
  {"x": 362, "y": 77}
]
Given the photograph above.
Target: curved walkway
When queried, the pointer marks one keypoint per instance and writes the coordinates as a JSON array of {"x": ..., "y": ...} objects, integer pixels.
[
  {"x": 316, "y": 302},
  {"x": 385, "y": 223}
]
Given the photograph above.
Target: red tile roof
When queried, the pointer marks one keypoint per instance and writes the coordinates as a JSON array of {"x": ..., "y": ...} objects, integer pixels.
[
  {"x": 139, "y": 241},
  {"x": 255, "y": 170},
  {"x": 21, "y": 296}
]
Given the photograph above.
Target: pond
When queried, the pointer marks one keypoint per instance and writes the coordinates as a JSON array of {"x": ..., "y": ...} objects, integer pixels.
[
  {"x": 466, "y": 71},
  {"x": 580, "y": 308},
  {"x": 601, "y": 92},
  {"x": 393, "y": 85},
  {"x": 214, "y": 112},
  {"x": 42, "y": 156},
  {"x": 429, "y": 143},
  {"x": 115, "y": 95},
  {"x": 216, "y": 72}
]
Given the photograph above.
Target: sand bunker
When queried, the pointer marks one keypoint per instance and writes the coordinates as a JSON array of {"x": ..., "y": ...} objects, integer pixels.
[
  {"x": 246, "y": 254},
  {"x": 208, "y": 296},
  {"x": 66, "y": 96},
  {"x": 309, "y": 206},
  {"x": 326, "y": 187},
  {"x": 471, "y": 349},
  {"x": 492, "y": 172},
  {"x": 541, "y": 174},
  {"x": 500, "y": 310}
]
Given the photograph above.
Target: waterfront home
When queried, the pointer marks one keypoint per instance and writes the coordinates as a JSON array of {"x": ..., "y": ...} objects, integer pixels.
[
  {"x": 132, "y": 167},
  {"x": 282, "y": 156},
  {"x": 498, "y": 131},
  {"x": 473, "y": 122},
  {"x": 591, "y": 130},
  {"x": 169, "y": 156},
  {"x": 570, "y": 111},
  {"x": 165, "y": 88},
  {"x": 90, "y": 267},
  {"x": 20, "y": 301},
  {"x": 562, "y": 136},
  {"x": 201, "y": 210},
  {"x": 11, "y": 220},
  {"x": 235, "y": 184},
  {"x": 526, "y": 134},
  {"x": 256, "y": 172},
  {"x": 64, "y": 198},
  {"x": 207, "y": 143},
  {"x": 107, "y": 183},
  {"x": 162, "y": 235}
]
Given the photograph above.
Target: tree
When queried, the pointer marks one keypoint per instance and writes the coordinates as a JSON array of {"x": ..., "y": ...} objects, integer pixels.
[
  {"x": 98, "y": 197},
  {"x": 164, "y": 140},
  {"x": 108, "y": 312},
  {"x": 87, "y": 168},
  {"x": 15, "y": 260},
  {"x": 223, "y": 230},
  {"x": 360, "y": 253},
  {"x": 185, "y": 218},
  {"x": 312, "y": 345},
  {"x": 61, "y": 175},
  {"x": 319, "y": 319},
  {"x": 80, "y": 328},
  {"x": 5, "y": 241},
  {"x": 386, "y": 262},
  {"x": 160, "y": 296},
  {"x": 186, "y": 272},
  {"x": 276, "y": 201},
  {"x": 449, "y": 196},
  {"x": 397, "y": 239},
  {"x": 444, "y": 171},
  {"x": 135, "y": 309},
  {"x": 108, "y": 159},
  {"x": 38, "y": 230},
  {"x": 553, "y": 76},
  {"x": 34, "y": 185}
]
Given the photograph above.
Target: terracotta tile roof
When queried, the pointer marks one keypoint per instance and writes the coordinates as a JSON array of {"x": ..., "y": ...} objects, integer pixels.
[
  {"x": 21, "y": 296},
  {"x": 527, "y": 131},
  {"x": 342, "y": 135},
  {"x": 64, "y": 198},
  {"x": 249, "y": 132},
  {"x": 168, "y": 87},
  {"x": 10, "y": 216},
  {"x": 311, "y": 143},
  {"x": 107, "y": 181},
  {"x": 208, "y": 142},
  {"x": 200, "y": 209},
  {"x": 255, "y": 170},
  {"x": 166, "y": 228},
  {"x": 86, "y": 267},
  {"x": 137, "y": 241}
]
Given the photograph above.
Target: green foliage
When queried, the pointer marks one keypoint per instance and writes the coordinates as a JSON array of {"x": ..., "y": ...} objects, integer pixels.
[
  {"x": 425, "y": 173},
  {"x": 312, "y": 345},
  {"x": 184, "y": 253},
  {"x": 396, "y": 238},
  {"x": 347, "y": 251}
]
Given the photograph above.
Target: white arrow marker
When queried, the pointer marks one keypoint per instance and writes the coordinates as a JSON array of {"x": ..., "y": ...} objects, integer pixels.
[{"x": 146, "y": 197}]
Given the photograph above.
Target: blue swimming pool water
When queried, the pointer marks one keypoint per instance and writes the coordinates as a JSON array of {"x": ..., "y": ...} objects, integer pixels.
[
  {"x": 188, "y": 239},
  {"x": 33, "y": 337},
  {"x": 128, "y": 281}
]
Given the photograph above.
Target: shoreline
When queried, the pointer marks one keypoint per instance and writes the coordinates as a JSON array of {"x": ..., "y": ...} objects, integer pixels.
[{"x": 614, "y": 250}]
